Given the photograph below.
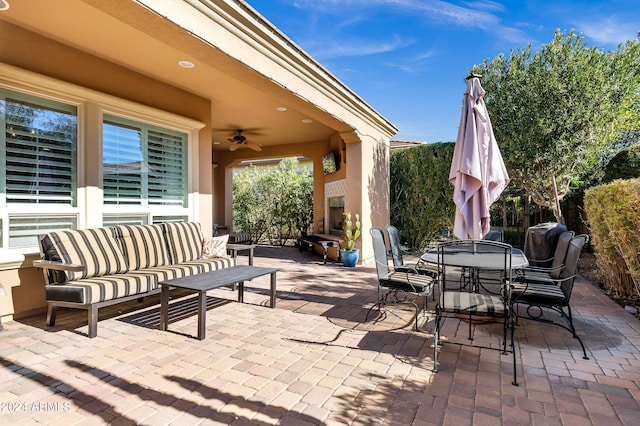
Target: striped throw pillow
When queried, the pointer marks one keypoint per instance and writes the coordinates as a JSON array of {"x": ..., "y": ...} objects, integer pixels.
[
  {"x": 143, "y": 246},
  {"x": 185, "y": 241},
  {"x": 94, "y": 248}
]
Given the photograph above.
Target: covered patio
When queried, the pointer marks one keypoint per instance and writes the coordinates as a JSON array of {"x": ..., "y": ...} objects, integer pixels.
[
  {"x": 211, "y": 82},
  {"x": 313, "y": 360}
]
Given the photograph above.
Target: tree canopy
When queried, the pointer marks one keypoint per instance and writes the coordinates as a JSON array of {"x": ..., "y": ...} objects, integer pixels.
[{"x": 555, "y": 112}]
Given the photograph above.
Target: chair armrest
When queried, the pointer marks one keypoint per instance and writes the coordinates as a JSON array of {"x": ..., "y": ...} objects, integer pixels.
[
  {"x": 542, "y": 269},
  {"x": 58, "y": 266},
  {"x": 558, "y": 281},
  {"x": 524, "y": 284},
  {"x": 540, "y": 261},
  {"x": 409, "y": 269},
  {"x": 414, "y": 272}
]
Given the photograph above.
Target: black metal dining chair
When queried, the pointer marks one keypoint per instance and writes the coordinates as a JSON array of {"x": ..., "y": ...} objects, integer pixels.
[
  {"x": 394, "y": 287},
  {"x": 495, "y": 235},
  {"x": 398, "y": 258},
  {"x": 462, "y": 301},
  {"x": 548, "y": 275},
  {"x": 539, "y": 298}
]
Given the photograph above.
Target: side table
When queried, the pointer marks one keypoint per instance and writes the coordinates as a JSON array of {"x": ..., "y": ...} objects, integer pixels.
[{"x": 235, "y": 248}]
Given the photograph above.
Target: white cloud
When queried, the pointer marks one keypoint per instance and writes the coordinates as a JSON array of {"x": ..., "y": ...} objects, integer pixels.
[
  {"x": 486, "y": 5},
  {"x": 477, "y": 14},
  {"x": 608, "y": 30},
  {"x": 426, "y": 55},
  {"x": 513, "y": 35},
  {"x": 341, "y": 48},
  {"x": 407, "y": 68},
  {"x": 413, "y": 65},
  {"x": 459, "y": 15}
]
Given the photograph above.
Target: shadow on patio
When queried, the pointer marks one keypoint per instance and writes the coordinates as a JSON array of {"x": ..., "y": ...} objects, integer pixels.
[{"x": 313, "y": 360}]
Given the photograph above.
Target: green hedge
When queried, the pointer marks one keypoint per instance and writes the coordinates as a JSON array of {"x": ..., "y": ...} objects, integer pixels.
[
  {"x": 624, "y": 165},
  {"x": 614, "y": 218},
  {"x": 421, "y": 195}
]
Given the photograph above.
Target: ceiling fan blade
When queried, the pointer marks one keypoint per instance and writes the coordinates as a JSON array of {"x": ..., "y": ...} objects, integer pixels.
[
  {"x": 234, "y": 147},
  {"x": 254, "y": 146}
]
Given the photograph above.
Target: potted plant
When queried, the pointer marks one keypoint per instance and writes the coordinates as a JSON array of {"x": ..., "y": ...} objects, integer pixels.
[{"x": 350, "y": 233}]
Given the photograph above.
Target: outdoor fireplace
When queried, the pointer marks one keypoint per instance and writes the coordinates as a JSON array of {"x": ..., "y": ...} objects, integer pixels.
[{"x": 336, "y": 209}]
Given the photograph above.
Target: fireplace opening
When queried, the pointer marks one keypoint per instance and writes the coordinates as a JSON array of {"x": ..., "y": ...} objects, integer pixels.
[{"x": 336, "y": 209}]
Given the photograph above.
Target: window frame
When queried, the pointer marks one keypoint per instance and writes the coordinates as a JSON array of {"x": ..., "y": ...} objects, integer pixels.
[
  {"x": 190, "y": 208},
  {"x": 91, "y": 107},
  {"x": 19, "y": 211},
  {"x": 147, "y": 200}
]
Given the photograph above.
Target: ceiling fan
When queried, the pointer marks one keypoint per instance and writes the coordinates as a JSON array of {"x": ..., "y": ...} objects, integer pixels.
[{"x": 239, "y": 141}]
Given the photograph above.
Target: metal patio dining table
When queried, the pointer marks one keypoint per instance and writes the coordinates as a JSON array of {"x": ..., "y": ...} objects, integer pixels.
[
  {"x": 485, "y": 259},
  {"x": 472, "y": 261}
]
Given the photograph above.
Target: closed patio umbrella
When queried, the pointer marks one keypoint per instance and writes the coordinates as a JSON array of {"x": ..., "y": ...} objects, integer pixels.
[{"x": 477, "y": 171}]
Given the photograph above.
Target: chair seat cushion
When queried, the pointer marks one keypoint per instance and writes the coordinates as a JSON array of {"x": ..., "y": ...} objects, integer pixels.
[
  {"x": 415, "y": 283},
  {"x": 193, "y": 267},
  {"x": 472, "y": 303},
  {"x": 536, "y": 293},
  {"x": 100, "y": 289},
  {"x": 239, "y": 237}
]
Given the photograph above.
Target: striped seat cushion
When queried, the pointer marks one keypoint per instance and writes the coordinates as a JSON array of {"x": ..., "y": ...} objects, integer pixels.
[
  {"x": 100, "y": 289},
  {"x": 185, "y": 241},
  {"x": 472, "y": 303},
  {"x": 239, "y": 237},
  {"x": 192, "y": 267},
  {"x": 94, "y": 248},
  {"x": 543, "y": 294},
  {"x": 143, "y": 246},
  {"x": 415, "y": 283}
]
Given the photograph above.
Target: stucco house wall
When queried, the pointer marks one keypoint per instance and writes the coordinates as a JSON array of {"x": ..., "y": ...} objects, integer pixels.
[{"x": 120, "y": 58}]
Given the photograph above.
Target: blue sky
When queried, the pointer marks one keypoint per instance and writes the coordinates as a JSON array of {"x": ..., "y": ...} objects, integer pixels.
[{"x": 408, "y": 58}]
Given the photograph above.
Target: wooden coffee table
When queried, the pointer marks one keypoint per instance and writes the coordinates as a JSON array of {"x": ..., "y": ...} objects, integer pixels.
[{"x": 202, "y": 283}]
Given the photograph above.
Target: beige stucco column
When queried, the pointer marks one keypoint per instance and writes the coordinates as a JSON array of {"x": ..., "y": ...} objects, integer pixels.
[{"x": 367, "y": 187}]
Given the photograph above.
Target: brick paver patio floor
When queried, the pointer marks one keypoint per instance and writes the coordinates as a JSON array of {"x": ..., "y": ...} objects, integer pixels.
[{"x": 313, "y": 360}]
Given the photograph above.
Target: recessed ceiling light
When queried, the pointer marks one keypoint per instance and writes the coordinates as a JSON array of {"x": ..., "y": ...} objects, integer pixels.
[
  {"x": 4, "y": 5},
  {"x": 216, "y": 142},
  {"x": 307, "y": 121},
  {"x": 281, "y": 108},
  {"x": 184, "y": 64}
]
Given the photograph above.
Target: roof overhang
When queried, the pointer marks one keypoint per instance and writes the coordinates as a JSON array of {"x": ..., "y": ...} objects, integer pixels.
[{"x": 245, "y": 66}]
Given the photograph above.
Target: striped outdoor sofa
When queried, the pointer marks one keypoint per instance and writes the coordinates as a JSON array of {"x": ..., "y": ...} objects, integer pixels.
[{"x": 92, "y": 268}]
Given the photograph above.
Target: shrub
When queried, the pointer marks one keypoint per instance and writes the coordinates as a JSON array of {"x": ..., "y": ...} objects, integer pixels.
[
  {"x": 421, "y": 195},
  {"x": 274, "y": 203},
  {"x": 614, "y": 218},
  {"x": 624, "y": 165}
]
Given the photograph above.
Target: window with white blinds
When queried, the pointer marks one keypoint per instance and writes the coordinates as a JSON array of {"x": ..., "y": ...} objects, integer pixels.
[
  {"x": 144, "y": 169},
  {"x": 38, "y": 175},
  {"x": 38, "y": 150},
  {"x": 143, "y": 165}
]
